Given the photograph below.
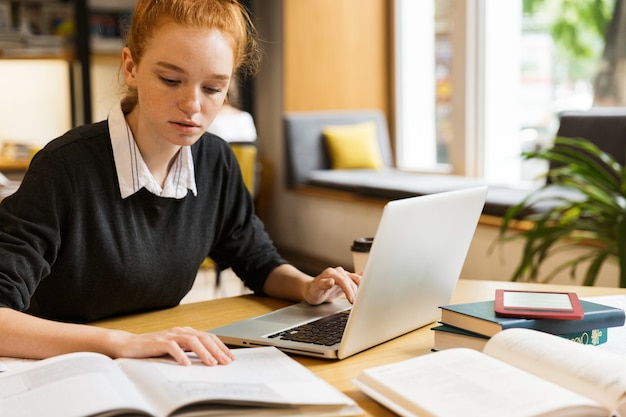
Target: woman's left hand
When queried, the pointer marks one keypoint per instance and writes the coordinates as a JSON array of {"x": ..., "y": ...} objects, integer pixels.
[{"x": 332, "y": 283}]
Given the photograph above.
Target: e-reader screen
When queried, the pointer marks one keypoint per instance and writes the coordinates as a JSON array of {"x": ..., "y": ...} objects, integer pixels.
[{"x": 538, "y": 304}]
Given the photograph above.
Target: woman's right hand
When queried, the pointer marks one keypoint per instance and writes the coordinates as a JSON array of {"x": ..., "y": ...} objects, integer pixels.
[
  {"x": 26, "y": 336},
  {"x": 176, "y": 342}
]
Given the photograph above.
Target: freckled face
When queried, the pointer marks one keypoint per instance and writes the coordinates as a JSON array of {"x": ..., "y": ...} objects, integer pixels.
[{"x": 181, "y": 80}]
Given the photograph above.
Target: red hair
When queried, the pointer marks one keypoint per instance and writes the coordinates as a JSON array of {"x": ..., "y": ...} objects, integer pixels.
[{"x": 227, "y": 16}]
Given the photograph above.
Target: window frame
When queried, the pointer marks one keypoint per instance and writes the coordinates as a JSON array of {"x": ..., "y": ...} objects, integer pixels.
[{"x": 471, "y": 21}]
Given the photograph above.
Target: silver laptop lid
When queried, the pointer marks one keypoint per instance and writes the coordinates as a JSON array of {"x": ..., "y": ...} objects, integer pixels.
[{"x": 414, "y": 264}]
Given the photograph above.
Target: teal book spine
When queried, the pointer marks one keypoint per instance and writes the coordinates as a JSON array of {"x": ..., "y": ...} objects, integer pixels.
[
  {"x": 587, "y": 337},
  {"x": 447, "y": 337},
  {"x": 593, "y": 337}
]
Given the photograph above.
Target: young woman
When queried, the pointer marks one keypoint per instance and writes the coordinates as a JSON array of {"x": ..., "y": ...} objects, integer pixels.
[{"x": 116, "y": 217}]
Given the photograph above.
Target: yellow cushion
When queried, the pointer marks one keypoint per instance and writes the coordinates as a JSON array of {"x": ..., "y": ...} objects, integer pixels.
[
  {"x": 353, "y": 146},
  {"x": 246, "y": 156}
]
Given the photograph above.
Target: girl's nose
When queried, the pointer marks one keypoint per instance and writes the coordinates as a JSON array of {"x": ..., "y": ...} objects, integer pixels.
[{"x": 189, "y": 102}]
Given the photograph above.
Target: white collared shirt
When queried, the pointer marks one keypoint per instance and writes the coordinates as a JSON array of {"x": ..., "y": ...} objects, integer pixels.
[{"x": 133, "y": 173}]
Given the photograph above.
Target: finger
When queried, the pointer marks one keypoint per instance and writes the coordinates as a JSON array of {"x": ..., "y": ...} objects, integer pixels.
[
  {"x": 356, "y": 278},
  {"x": 176, "y": 352},
  {"x": 331, "y": 284},
  {"x": 346, "y": 281},
  {"x": 217, "y": 348},
  {"x": 318, "y": 290},
  {"x": 209, "y": 348},
  {"x": 328, "y": 291},
  {"x": 350, "y": 291}
]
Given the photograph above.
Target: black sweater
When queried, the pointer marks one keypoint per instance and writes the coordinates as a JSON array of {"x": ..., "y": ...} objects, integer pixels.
[{"x": 72, "y": 249}]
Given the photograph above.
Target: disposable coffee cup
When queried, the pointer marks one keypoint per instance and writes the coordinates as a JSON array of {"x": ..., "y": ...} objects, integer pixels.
[{"x": 360, "y": 250}]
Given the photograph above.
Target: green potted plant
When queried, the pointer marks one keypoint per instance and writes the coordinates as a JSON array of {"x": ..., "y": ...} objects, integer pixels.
[{"x": 582, "y": 205}]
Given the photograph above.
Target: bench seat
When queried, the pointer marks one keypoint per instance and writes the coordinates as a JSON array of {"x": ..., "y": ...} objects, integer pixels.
[
  {"x": 391, "y": 184},
  {"x": 308, "y": 162}
]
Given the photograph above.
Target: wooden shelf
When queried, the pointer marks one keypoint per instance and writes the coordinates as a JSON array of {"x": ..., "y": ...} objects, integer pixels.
[
  {"x": 13, "y": 165},
  {"x": 66, "y": 54}
]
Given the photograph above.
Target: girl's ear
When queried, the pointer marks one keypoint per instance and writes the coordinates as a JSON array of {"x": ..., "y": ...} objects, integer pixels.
[{"x": 129, "y": 67}]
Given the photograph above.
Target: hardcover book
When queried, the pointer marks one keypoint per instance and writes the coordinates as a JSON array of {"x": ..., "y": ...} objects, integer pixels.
[
  {"x": 480, "y": 317},
  {"x": 448, "y": 337}
]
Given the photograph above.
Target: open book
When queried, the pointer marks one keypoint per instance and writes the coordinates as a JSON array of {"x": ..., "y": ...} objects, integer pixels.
[
  {"x": 520, "y": 373},
  {"x": 261, "y": 381}
]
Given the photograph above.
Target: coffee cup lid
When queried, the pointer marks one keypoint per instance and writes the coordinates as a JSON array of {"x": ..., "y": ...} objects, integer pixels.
[{"x": 362, "y": 244}]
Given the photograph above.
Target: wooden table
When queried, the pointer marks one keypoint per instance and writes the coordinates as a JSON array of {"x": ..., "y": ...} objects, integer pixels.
[{"x": 214, "y": 313}]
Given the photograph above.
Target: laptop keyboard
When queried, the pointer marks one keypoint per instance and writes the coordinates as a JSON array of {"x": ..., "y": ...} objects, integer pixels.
[{"x": 325, "y": 331}]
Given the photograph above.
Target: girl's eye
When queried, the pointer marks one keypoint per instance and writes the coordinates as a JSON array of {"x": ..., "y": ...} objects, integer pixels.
[
  {"x": 212, "y": 90},
  {"x": 169, "y": 81}
]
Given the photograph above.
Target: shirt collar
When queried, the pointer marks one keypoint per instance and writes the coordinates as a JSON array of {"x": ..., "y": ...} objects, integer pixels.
[{"x": 133, "y": 173}]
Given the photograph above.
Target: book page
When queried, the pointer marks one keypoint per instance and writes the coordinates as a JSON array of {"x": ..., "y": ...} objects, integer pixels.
[
  {"x": 585, "y": 369},
  {"x": 258, "y": 376},
  {"x": 77, "y": 384},
  {"x": 465, "y": 382},
  {"x": 12, "y": 364}
]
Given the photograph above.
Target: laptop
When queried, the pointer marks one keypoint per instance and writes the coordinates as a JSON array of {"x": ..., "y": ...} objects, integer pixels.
[{"x": 413, "y": 267}]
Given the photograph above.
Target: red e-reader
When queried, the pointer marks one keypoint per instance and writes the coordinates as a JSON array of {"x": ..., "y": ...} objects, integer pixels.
[{"x": 538, "y": 305}]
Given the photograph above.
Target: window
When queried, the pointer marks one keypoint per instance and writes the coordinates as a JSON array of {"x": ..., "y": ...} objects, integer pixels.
[{"x": 480, "y": 81}]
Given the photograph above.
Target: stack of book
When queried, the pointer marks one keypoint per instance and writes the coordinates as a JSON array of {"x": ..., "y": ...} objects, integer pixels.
[{"x": 472, "y": 324}]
